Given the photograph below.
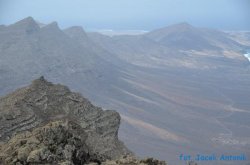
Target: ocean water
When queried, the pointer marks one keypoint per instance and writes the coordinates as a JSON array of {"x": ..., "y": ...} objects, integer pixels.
[{"x": 247, "y": 55}]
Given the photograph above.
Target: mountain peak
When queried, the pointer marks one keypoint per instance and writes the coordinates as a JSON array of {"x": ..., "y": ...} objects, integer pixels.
[
  {"x": 159, "y": 34},
  {"x": 28, "y": 24},
  {"x": 186, "y": 24},
  {"x": 52, "y": 29},
  {"x": 39, "y": 83},
  {"x": 52, "y": 25},
  {"x": 48, "y": 101},
  {"x": 183, "y": 26},
  {"x": 76, "y": 31},
  {"x": 26, "y": 20},
  {"x": 40, "y": 80}
]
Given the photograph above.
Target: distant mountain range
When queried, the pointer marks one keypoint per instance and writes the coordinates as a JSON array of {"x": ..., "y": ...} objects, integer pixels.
[{"x": 179, "y": 89}]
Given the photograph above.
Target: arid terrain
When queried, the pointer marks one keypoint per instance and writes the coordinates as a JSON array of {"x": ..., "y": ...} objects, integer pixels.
[{"x": 179, "y": 89}]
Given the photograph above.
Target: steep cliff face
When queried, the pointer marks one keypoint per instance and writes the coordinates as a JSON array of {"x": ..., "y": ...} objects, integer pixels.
[{"x": 43, "y": 102}]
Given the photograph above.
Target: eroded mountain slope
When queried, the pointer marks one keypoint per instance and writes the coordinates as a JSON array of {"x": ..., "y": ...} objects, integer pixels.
[{"x": 43, "y": 101}]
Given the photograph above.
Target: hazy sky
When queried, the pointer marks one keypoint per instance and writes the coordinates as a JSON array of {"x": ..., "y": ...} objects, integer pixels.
[{"x": 130, "y": 14}]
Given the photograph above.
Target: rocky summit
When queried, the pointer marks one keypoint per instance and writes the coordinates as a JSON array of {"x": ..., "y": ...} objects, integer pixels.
[{"x": 48, "y": 124}]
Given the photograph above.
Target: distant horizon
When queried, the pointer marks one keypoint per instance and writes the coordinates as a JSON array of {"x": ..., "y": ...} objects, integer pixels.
[
  {"x": 113, "y": 32},
  {"x": 227, "y": 15}
]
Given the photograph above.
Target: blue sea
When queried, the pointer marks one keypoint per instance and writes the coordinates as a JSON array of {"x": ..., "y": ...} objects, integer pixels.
[{"x": 247, "y": 55}]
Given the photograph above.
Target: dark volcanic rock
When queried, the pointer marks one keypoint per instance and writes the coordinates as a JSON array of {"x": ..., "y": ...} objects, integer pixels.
[
  {"x": 57, "y": 142},
  {"x": 48, "y": 124},
  {"x": 42, "y": 102},
  {"x": 62, "y": 143}
]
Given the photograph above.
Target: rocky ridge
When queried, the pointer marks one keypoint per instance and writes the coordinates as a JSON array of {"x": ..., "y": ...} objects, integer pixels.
[
  {"x": 59, "y": 142},
  {"x": 48, "y": 124},
  {"x": 42, "y": 102}
]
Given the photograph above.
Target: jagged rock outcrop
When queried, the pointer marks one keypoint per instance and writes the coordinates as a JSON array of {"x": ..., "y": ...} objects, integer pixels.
[
  {"x": 48, "y": 124},
  {"x": 60, "y": 142},
  {"x": 43, "y": 102}
]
